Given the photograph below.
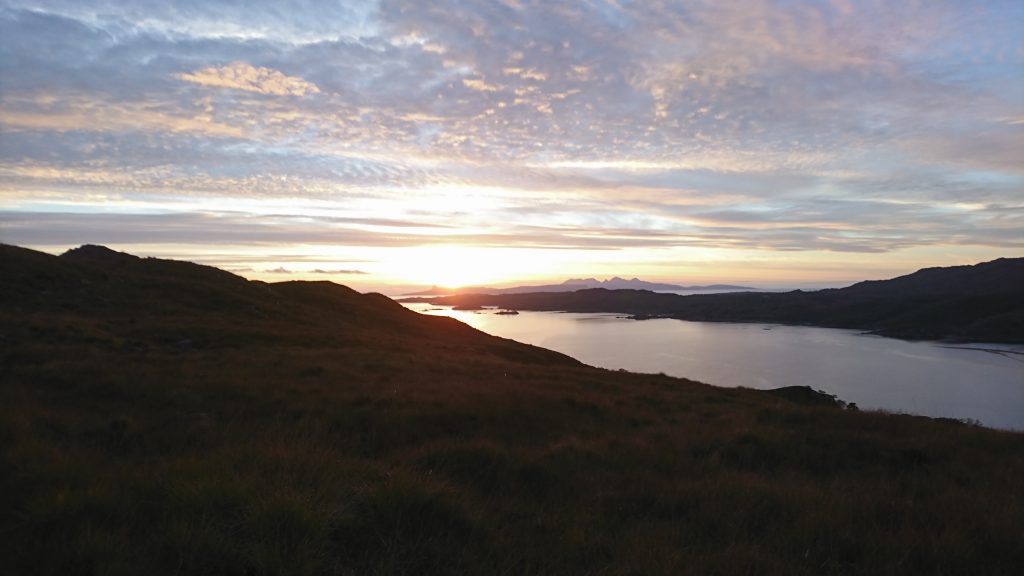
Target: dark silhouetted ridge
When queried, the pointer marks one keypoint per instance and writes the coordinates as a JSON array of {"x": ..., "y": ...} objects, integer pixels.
[
  {"x": 169, "y": 300},
  {"x": 91, "y": 253},
  {"x": 1004, "y": 275},
  {"x": 981, "y": 303},
  {"x": 574, "y": 284}
]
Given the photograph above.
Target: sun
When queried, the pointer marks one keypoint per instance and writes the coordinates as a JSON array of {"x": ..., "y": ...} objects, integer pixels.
[{"x": 457, "y": 266}]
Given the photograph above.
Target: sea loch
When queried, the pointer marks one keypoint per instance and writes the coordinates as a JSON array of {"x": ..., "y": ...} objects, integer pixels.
[{"x": 978, "y": 382}]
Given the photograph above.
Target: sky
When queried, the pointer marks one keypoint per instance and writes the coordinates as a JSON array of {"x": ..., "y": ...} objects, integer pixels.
[{"x": 393, "y": 143}]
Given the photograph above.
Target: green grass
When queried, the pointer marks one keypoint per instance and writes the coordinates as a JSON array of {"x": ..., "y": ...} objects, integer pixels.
[{"x": 340, "y": 434}]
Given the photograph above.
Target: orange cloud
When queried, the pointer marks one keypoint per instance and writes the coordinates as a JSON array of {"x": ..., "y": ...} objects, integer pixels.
[{"x": 242, "y": 76}]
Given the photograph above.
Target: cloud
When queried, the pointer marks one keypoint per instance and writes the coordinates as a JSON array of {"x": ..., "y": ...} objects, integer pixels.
[
  {"x": 842, "y": 226},
  {"x": 242, "y": 76},
  {"x": 76, "y": 114},
  {"x": 479, "y": 85},
  {"x": 295, "y": 21},
  {"x": 283, "y": 270},
  {"x": 321, "y": 271},
  {"x": 762, "y": 125}
]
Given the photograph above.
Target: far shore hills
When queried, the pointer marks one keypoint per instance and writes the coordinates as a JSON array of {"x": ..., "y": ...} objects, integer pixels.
[
  {"x": 977, "y": 303},
  {"x": 574, "y": 284}
]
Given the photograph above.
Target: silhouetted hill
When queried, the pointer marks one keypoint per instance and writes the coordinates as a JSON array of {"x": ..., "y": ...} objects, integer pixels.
[
  {"x": 161, "y": 417},
  {"x": 1003, "y": 275},
  {"x": 983, "y": 303},
  {"x": 574, "y": 284}
]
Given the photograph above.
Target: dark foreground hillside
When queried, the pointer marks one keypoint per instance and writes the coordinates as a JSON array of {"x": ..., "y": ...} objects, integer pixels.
[
  {"x": 160, "y": 417},
  {"x": 979, "y": 303}
]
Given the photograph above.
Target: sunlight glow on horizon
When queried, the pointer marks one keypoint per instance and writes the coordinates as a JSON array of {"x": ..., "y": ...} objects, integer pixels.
[{"x": 388, "y": 143}]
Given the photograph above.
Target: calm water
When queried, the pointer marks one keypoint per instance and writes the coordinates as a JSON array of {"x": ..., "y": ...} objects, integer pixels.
[{"x": 914, "y": 377}]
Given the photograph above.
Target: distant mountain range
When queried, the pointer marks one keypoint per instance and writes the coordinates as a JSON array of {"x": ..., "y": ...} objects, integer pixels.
[
  {"x": 980, "y": 303},
  {"x": 574, "y": 284}
]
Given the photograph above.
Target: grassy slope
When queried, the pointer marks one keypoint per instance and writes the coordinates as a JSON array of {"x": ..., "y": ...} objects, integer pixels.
[{"x": 159, "y": 417}]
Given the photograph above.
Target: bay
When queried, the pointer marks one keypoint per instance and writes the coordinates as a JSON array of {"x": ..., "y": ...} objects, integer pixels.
[{"x": 978, "y": 382}]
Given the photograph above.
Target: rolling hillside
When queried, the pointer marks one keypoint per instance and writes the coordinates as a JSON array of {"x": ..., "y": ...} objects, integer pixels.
[{"x": 160, "y": 417}]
